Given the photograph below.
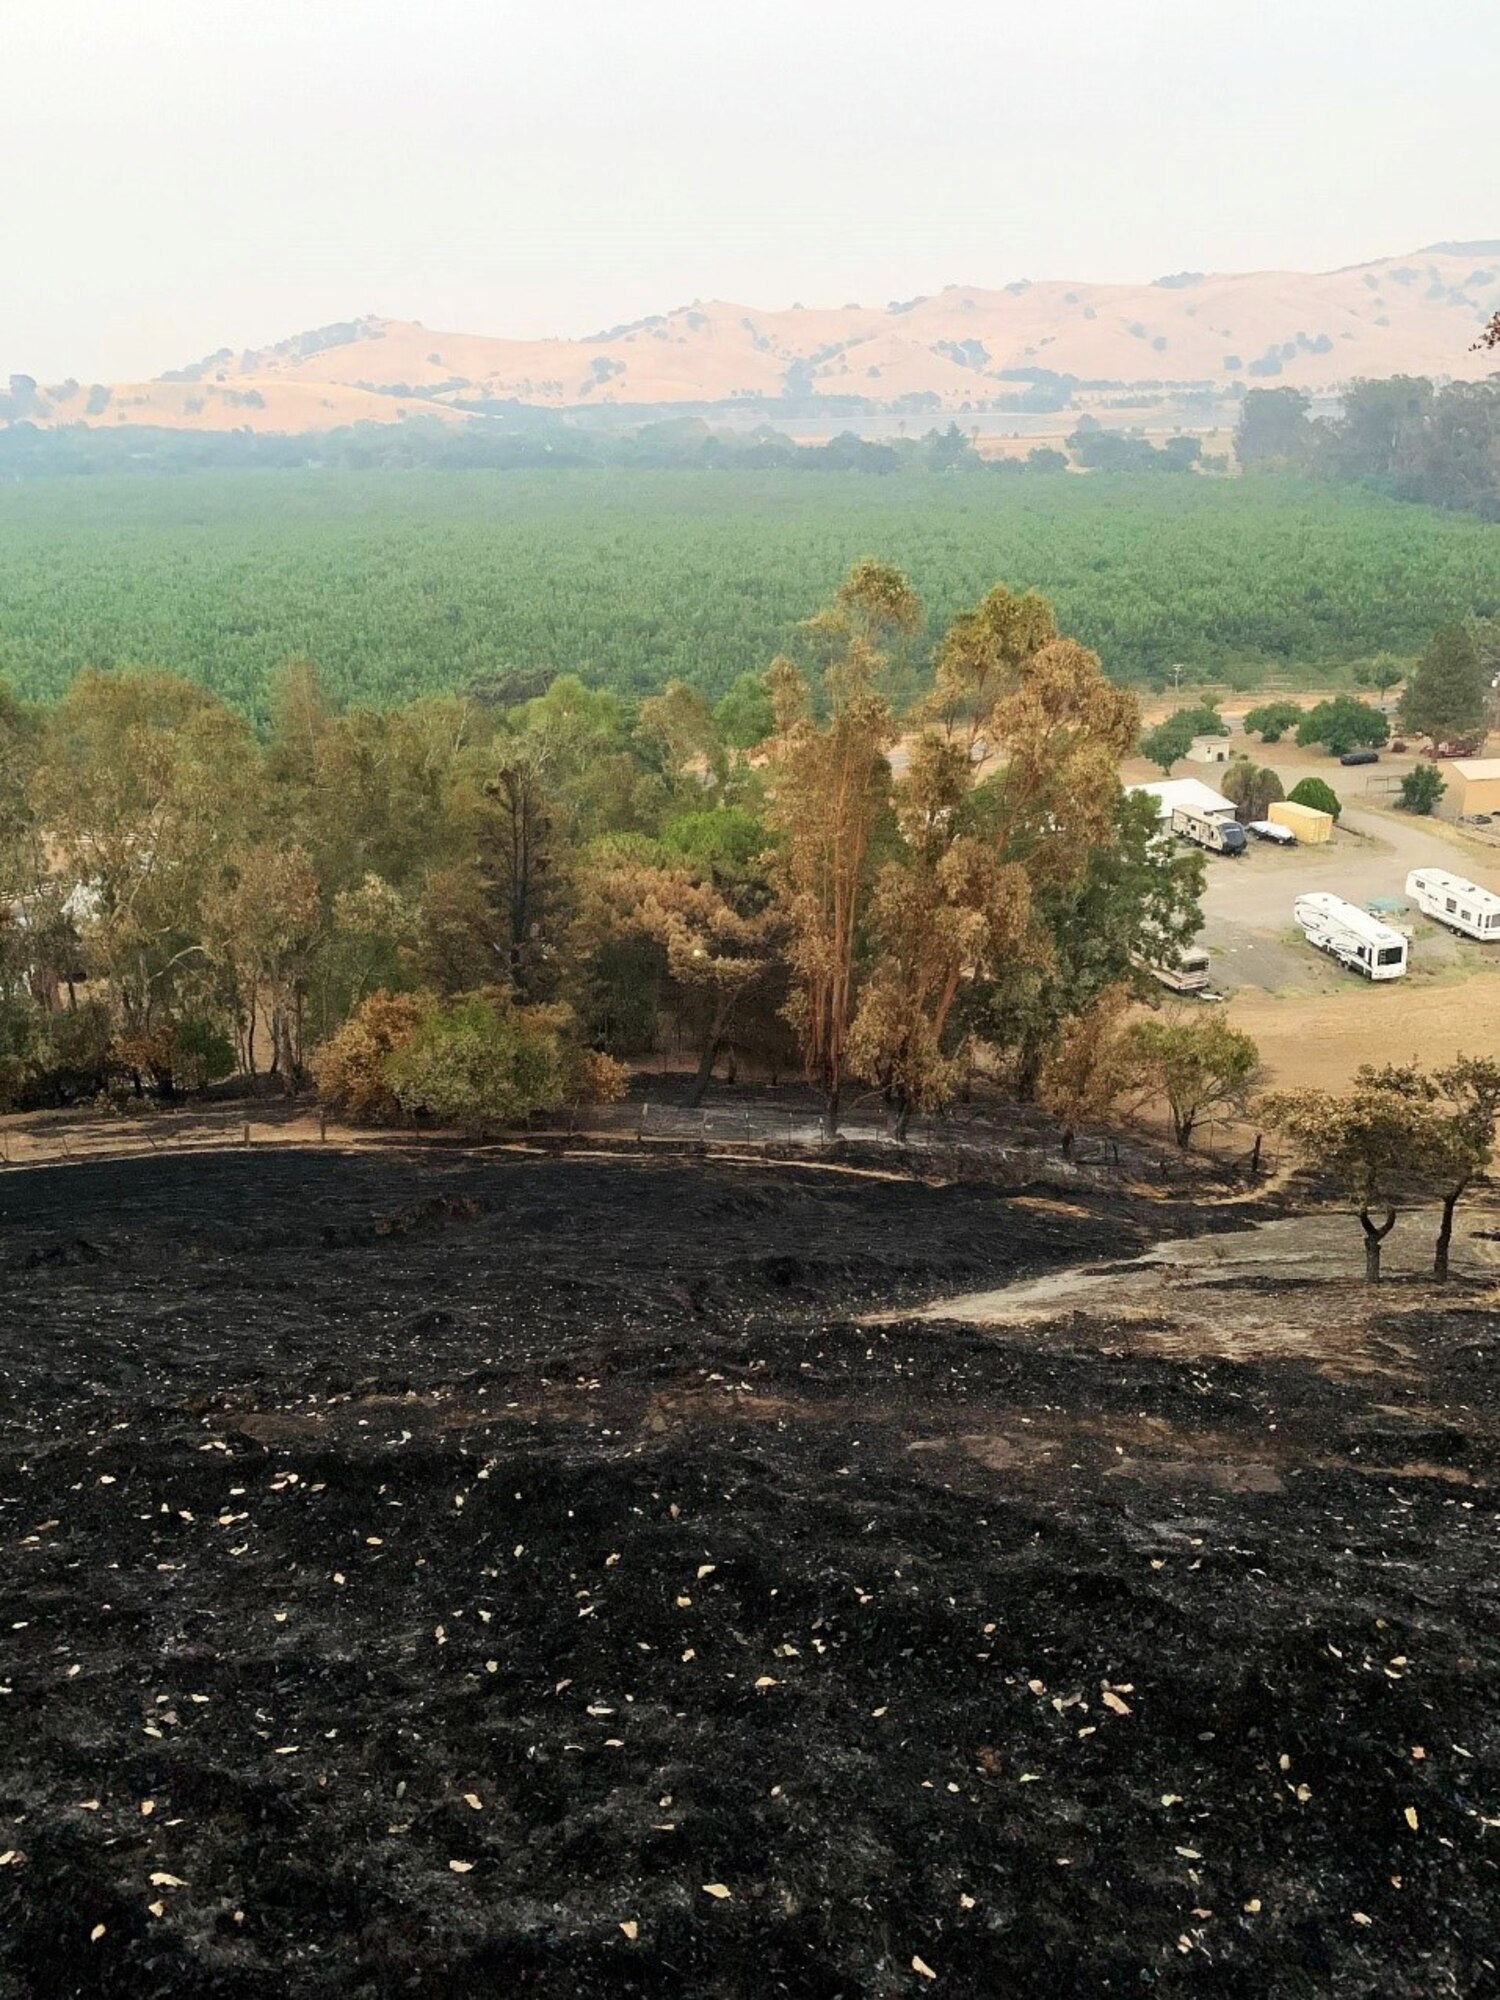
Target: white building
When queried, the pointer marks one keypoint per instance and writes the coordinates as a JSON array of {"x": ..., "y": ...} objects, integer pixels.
[{"x": 1189, "y": 792}]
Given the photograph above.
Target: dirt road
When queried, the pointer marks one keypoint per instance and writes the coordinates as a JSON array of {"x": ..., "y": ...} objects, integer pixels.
[{"x": 1247, "y": 904}]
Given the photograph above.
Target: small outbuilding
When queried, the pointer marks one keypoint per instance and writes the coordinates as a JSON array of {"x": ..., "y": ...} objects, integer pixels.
[
  {"x": 1311, "y": 827},
  {"x": 1473, "y": 785},
  {"x": 1209, "y": 750}
]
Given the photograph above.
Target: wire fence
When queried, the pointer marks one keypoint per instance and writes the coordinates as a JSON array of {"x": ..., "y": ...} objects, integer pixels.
[{"x": 1008, "y": 1144}]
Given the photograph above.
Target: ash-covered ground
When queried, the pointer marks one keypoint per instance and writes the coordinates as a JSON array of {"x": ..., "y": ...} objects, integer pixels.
[{"x": 443, "y": 1575}]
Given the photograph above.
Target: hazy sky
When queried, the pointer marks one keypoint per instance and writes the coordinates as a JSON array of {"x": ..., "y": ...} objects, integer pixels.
[{"x": 177, "y": 175}]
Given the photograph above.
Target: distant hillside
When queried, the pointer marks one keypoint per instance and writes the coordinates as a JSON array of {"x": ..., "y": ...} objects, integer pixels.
[{"x": 1026, "y": 347}]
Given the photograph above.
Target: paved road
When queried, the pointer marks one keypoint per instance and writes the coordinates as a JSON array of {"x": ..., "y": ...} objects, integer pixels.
[{"x": 1247, "y": 905}]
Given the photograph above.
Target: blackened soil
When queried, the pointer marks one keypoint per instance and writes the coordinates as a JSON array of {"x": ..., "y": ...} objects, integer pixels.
[{"x": 429, "y": 1575}]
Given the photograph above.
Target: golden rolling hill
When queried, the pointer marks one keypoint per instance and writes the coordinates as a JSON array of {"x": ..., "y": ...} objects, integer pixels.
[{"x": 964, "y": 349}]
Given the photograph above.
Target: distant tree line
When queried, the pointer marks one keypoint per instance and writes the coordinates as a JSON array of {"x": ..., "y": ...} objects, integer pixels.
[
  {"x": 1403, "y": 436},
  {"x": 521, "y": 439}
]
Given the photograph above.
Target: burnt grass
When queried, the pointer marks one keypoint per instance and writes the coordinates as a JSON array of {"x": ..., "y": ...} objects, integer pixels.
[{"x": 562, "y": 1518}]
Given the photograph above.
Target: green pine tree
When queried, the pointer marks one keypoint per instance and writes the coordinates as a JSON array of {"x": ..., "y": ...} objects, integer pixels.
[{"x": 1445, "y": 697}]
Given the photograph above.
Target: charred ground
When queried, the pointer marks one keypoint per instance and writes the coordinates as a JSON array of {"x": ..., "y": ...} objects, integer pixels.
[{"x": 567, "y": 1520}]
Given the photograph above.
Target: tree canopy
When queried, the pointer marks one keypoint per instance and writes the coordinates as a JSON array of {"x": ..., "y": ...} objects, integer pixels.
[{"x": 1447, "y": 695}]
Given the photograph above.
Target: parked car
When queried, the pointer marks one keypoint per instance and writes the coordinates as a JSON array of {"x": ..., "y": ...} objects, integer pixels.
[
  {"x": 1475, "y": 819},
  {"x": 1360, "y": 757}
]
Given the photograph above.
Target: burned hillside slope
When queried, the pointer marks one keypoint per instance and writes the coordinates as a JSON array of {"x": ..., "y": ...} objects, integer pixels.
[{"x": 434, "y": 1575}]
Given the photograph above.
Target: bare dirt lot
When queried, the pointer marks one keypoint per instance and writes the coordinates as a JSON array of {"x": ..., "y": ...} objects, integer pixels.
[
  {"x": 1314, "y": 1020},
  {"x": 434, "y": 1574}
]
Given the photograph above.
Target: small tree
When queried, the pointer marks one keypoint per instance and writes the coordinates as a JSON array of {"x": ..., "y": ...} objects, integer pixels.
[
  {"x": 1445, "y": 697},
  {"x": 1384, "y": 672},
  {"x": 1272, "y": 720},
  {"x": 1470, "y": 1092},
  {"x": 1465, "y": 1097},
  {"x": 1091, "y": 1067},
  {"x": 350, "y": 1069},
  {"x": 1381, "y": 1146},
  {"x": 744, "y": 717},
  {"x": 719, "y": 937},
  {"x": 1166, "y": 743},
  {"x": 1343, "y": 724},
  {"x": 1315, "y": 793},
  {"x": 1421, "y": 789},
  {"x": 1197, "y": 1067},
  {"x": 1253, "y": 788}
]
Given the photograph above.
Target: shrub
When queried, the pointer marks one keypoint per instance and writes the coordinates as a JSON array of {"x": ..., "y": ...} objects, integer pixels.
[
  {"x": 22, "y": 1046},
  {"x": 201, "y": 1053},
  {"x": 478, "y": 1061},
  {"x": 350, "y": 1068},
  {"x": 476, "y": 1064},
  {"x": 79, "y": 1058},
  {"x": 1421, "y": 789},
  {"x": 483, "y": 1063},
  {"x": 1313, "y": 792}
]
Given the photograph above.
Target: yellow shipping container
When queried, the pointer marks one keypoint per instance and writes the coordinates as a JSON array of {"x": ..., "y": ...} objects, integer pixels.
[{"x": 1310, "y": 826}]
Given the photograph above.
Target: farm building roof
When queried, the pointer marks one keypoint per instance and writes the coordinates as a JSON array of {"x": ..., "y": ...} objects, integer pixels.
[{"x": 1190, "y": 792}]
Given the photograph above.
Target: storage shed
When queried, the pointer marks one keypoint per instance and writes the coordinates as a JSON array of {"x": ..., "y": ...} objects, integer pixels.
[
  {"x": 1310, "y": 826},
  {"x": 1209, "y": 750},
  {"x": 1473, "y": 785}
]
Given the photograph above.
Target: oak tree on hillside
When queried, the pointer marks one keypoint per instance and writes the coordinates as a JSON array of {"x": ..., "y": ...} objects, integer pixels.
[
  {"x": 1197, "y": 1067},
  {"x": 1464, "y": 1096},
  {"x": 1384, "y": 1148}
]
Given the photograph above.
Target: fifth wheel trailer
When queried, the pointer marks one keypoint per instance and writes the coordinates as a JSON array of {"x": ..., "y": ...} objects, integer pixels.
[
  {"x": 1460, "y": 905},
  {"x": 1351, "y": 935}
]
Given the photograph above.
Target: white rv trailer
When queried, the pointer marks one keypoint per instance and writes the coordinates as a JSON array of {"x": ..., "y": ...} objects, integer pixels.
[
  {"x": 1188, "y": 975},
  {"x": 1351, "y": 935},
  {"x": 1462, "y": 906},
  {"x": 1220, "y": 833}
]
